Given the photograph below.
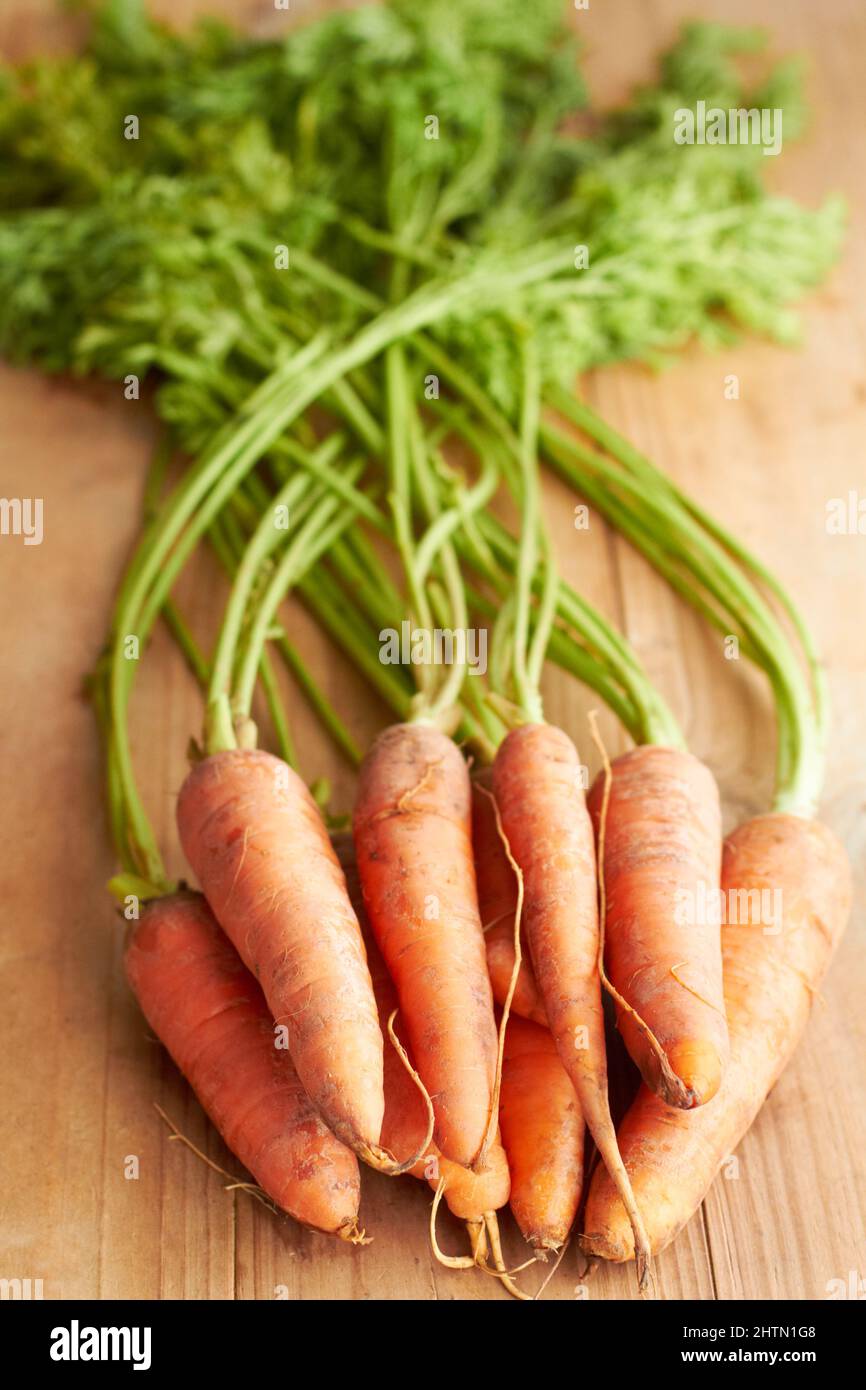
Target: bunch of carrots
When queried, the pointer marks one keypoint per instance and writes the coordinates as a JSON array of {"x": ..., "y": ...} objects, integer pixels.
[
  {"x": 479, "y": 878},
  {"x": 424, "y": 994}
]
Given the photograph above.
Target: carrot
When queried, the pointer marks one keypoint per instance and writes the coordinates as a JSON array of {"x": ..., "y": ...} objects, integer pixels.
[
  {"x": 211, "y": 1016},
  {"x": 542, "y": 1130},
  {"x": 662, "y": 847},
  {"x": 468, "y": 1194},
  {"x": 414, "y": 850},
  {"x": 526, "y": 1001},
  {"x": 770, "y": 974},
  {"x": 497, "y": 891},
  {"x": 497, "y": 904},
  {"x": 770, "y": 981},
  {"x": 256, "y": 840},
  {"x": 658, "y": 843},
  {"x": 536, "y": 782},
  {"x": 473, "y": 1198}
]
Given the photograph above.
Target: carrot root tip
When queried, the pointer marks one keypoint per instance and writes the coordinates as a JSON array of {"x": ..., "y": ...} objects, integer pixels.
[
  {"x": 544, "y": 1246},
  {"x": 448, "y": 1261},
  {"x": 353, "y": 1234},
  {"x": 500, "y": 1271},
  {"x": 645, "y": 1282},
  {"x": 381, "y": 1160},
  {"x": 697, "y": 1068},
  {"x": 597, "y": 1247}
]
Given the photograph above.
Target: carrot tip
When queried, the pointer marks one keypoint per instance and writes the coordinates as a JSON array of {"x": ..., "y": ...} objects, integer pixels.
[
  {"x": 383, "y": 1161},
  {"x": 500, "y": 1271},
  {"x": 697, "y": 1067},
  {"x": 545, "y": 1245},
  {"x": 644, "y": 1277},
  {"x": 451, "y": 1261},
  {"x": 353, "y": 1234},
  {"x": 598, "y": 1246}
]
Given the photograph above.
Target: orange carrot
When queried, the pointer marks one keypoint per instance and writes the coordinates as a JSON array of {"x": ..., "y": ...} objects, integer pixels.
[
  {"x": 210, "y": 1014},
  {"x": 256, "y": 840},
  {"x": 770, "y": 980},
  {"x": 414, "y": 849},
  {"x": 650, "y": 857},
  {"x": 497, "y": 903},
  {"x": 497, "y": 891},
  {"x": 473, "y": 1198},
  {"x": 542, "y": 1130},
  {"x": 468, "y": 1194},
  {"x": 536, "y": 782},
  {"x": 662, "y": 850},
  {"x": 526, "y": 1001}
]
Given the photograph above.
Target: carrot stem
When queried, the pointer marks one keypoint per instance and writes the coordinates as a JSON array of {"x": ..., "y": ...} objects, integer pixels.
[
  {"x": 317, "y": 699},
  {"x": 264, "y": 540},
  {"x": 622, "y": 449},
  {"x": 527, "y": 549},
  {"x": 644, "y": 510},
  {"x": 313, "y": 539}
]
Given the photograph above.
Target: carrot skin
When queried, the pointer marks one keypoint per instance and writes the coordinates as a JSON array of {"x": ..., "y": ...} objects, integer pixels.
[
  {"x": 494, "y": 876},
  {"x": 663, "y": 844},
  {"x": 468, "y": 1195},
  {"x": 497, "y": 904},
  {"x": 770, "y": 980},
  {"x": 414, "y": 850},
  {"x": 526, "y": 1001},
  {"x": 256, "y": 840},
  {"x": 537, "y": 785},
  {"x": 211, "y": 1016},
  {"x": 543, "y": 1133}
]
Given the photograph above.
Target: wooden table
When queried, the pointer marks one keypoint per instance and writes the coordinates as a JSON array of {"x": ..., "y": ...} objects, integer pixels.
[{"x": 81, "y": 1073}]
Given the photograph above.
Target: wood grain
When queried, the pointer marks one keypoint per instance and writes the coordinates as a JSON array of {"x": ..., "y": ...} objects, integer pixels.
[{"x": 81, "y": 1073}]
